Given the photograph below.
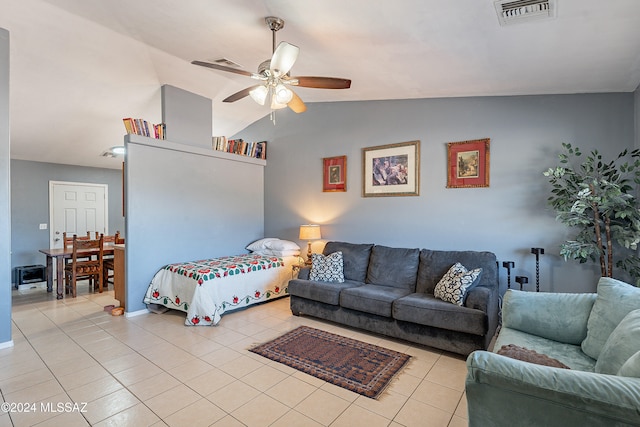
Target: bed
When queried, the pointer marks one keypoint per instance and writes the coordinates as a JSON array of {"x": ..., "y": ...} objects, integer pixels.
[{"x": 206, "y": 289}]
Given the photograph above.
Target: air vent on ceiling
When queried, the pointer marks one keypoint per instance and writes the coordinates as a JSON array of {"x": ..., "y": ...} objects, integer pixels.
[
  {"x": 226, "y": 62},
  {"x": 511, "y": 12}
]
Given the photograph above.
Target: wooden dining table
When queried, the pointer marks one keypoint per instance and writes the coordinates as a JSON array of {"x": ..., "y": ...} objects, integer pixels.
[{"x": 59, "y": 255}]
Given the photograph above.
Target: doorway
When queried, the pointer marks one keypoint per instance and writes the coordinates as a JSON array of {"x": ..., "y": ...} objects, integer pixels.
[{"x": 76, "y": 208}]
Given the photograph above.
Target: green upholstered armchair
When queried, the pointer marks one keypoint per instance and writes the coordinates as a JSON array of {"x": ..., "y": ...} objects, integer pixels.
[{"x": 596, "y": 335}]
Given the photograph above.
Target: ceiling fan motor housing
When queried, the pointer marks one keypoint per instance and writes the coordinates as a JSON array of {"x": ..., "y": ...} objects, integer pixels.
[{"x": 264, "y": 68}]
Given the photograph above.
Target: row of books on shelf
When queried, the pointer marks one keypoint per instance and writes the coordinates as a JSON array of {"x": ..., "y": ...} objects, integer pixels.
[
  {"x": 257, "y": 150},
  {"x": 144, "y": 128}
]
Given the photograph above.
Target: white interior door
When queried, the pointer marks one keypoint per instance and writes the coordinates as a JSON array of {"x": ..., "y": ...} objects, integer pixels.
[{"x": 77, "y": 208}]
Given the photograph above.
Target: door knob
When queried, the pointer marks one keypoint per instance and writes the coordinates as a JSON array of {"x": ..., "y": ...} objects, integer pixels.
[{"x": 57, "y": 239}]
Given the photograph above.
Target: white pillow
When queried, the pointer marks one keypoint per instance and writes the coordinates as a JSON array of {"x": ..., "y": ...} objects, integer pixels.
[
  {"x": 455, "y": 284},
  {"x": 282, "y": 245},
  {"x": 273, "y": 252},
  {"x": 260, "y": 244}
]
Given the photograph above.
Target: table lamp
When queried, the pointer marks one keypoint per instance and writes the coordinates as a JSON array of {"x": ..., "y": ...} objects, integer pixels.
[{"x": 309, "y": 232}]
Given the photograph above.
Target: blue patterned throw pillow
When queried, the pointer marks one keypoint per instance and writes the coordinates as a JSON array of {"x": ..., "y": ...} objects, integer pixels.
[
  {"x": 329, "y": 268},
  {"x": 455, "y": 283}
]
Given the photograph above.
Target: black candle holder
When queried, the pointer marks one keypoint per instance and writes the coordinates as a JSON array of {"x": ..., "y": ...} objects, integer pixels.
[
  {"x": 537, "y": 252},
  {"x": 508, "y": 265},
  {"x": 523, "y": 280}
]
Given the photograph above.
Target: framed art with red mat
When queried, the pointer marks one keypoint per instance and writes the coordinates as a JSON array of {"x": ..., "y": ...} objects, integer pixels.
[
  {"x": 468, "y": 164},
  {"x": 334, "y": 174}
]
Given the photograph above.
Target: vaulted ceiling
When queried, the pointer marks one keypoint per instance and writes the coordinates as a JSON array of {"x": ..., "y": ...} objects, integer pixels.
[{"x": 79, "y": 66}]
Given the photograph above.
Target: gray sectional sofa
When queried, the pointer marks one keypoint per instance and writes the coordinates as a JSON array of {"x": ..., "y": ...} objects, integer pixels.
[{"x": 391, "y": 291}]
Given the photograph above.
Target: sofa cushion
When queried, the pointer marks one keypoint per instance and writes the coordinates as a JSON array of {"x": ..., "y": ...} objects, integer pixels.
[
  {"x": 560, "y": 317},
  {"x": 433, "y": 265},
  {"x": 370, "y": 298},
  {"x": 631, "y": 367},
  {"x": 623, "y": 343},
  {"x": 327, "y": 268},
  {"x": 455, "y": 283},
  {"x": 428, "y": 310},
  {"x": 326, "y": 292},
  {"x": 355, "y": 256},
  {"x": 395, "y": 267},
  {"x": 614, "y": 301}
]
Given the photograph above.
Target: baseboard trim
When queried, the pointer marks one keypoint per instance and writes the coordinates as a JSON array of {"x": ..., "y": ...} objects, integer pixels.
[
  {"x": 6, "y": 344},
  {"x": 135, "y": 313}
]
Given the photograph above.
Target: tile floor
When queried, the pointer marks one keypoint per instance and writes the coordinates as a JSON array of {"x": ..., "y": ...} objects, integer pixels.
[{"x": 75, "y": 365}]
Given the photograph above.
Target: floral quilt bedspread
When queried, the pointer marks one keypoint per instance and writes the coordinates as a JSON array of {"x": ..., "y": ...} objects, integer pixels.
[{"x": 205, "y": 289}]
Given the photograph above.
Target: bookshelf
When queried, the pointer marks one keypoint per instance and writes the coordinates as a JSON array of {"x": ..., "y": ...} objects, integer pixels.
[{"x": 256, "y": 150}]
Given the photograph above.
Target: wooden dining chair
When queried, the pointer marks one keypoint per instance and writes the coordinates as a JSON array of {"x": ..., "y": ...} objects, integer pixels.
[
  {"x": 108, "y": 264},
  {"x": 68, "y": 243},
  {"x": 68, "y": 240},
  {"x": 81, "y": 268}
]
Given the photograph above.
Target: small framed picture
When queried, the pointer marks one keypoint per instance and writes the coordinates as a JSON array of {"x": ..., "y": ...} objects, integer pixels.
[
  {"x": 391, "y": 170},
  {"x": 334, "y": 174},
  {"x": 468, "y": 164}
]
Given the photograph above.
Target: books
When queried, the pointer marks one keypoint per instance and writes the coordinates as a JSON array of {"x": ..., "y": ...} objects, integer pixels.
[
  {"x": 144, "y": 128},
  {"x": 257, "y": 150}
]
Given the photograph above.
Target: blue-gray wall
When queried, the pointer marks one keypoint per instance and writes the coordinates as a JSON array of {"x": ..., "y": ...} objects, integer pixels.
[
  {"x": 30, "y": 203},
  {"x": 186, "y": 116},
  {"x": 509, "y": 218},
  {"x": 5, "y": 195}
]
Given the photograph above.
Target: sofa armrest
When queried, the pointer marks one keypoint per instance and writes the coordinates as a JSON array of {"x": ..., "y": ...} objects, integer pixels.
[
  {"x": 500, "y": 390},
  {"x": 486, "y": 300},
  {"x": 478, "y": 298},
  {"x": 556, "y": 316},
  {"x": 303, "y": 273}
]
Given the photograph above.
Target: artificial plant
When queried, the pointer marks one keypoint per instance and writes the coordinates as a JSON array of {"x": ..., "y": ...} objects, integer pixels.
[{"x": 598, "y": 199}]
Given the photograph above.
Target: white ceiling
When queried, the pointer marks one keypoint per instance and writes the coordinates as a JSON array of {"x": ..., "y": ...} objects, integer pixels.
[{"x": 79, "y": 66}]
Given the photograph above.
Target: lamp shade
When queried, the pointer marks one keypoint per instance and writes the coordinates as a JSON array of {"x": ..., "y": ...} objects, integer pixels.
[{"x": 310, "y": 232}]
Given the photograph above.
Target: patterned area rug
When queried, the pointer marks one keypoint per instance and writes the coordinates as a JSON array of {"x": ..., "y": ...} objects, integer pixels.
[{"x": 363, "y": 368}]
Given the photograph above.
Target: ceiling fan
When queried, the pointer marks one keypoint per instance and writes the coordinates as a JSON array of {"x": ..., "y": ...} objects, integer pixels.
[{"x": 275, "y": 79}]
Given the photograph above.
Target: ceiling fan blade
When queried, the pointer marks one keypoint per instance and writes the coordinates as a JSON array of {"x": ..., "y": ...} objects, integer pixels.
[
  {"x": 239, "y": 95},
  {"x": 222, "y": 68},
  {"x": 322, "y": 82},
  {"x": 296, "y": 104},
  {"x": 283, "y": 58}
]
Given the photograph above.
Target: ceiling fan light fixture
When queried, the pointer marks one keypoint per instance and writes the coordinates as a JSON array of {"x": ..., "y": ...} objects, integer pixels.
[
  {"x": 275, "y": 105},
  {"x": 259, "y": 94},
  {"x": 282, "y": 94}
]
